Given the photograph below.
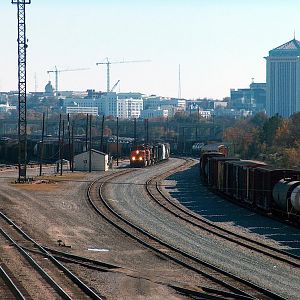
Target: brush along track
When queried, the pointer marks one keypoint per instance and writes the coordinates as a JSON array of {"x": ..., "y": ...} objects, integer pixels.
[
  {"x": 229, "y": 283},
  {"x": 43, "y": 271},
  {"x": 153, "y": 188}
]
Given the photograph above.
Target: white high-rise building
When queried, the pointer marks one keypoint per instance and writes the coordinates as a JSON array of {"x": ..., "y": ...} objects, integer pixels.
[
  {"x": 283, "y": 79},
  {"x": 122, "y": 105}
]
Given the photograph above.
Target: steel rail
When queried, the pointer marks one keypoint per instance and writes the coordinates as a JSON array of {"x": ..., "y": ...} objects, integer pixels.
[
  {"x": 188, "y": 214},
  {"x": 87, "y": 290},
  {"x": 11, "y": 285},
  {"x": 37, "y": 267},
  {"x": 186, "y": 255}
]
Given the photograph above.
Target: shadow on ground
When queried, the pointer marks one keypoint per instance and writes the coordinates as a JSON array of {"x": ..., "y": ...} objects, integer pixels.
[{"x": 192, "y": 194}]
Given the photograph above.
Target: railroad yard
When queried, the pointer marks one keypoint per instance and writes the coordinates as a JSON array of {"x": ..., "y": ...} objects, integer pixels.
[{"x": 148, "y": 233}]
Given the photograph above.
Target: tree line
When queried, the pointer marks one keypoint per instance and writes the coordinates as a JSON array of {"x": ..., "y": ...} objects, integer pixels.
[{"x": 275, "y": 140}]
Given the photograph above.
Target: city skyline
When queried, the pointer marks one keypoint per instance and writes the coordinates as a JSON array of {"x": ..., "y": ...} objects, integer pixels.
[{"x": 219, "y": 44}]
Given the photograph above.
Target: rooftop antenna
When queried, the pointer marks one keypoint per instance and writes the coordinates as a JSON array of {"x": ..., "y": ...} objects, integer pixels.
[
  {"x": 294, "y": 34},
  {"x": 179, "y": 84},
  {"x": 252, "y": 80}
]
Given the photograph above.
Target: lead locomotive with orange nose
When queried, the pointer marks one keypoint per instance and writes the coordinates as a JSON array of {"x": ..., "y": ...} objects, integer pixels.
[{"x": 149, "y": 154}]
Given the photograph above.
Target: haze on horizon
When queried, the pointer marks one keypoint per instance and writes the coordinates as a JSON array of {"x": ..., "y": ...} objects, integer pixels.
[{"x": 219, "y": 44}]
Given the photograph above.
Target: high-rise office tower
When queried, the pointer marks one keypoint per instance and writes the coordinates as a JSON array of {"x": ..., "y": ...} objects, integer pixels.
[{"x": 283, "y": 79}]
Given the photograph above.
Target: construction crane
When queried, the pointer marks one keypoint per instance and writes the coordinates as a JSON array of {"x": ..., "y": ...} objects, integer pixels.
[
  {"x": 108, "y": 63},
  {"x": 115, "y": 85},
  {"x": 56, "y": 71},
  {"x": 22, "y": 121}
]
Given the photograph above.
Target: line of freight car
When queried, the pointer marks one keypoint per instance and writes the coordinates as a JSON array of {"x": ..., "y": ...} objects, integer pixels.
[
  {"x": 272, "y": 190},
  {"x": 146, "y": 155}
]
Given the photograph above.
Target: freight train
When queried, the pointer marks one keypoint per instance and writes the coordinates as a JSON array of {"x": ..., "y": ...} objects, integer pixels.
[
  {"x": 146, "y": 154},
  {"x": 256, "y": 184}
]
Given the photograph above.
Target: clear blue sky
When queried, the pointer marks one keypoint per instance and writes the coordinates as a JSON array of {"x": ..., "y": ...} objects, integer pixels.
[{"x": 220, "y": 44}]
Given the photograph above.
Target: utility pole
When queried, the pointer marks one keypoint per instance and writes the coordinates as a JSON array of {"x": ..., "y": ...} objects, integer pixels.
[
  {"x": 90, "y": 148},
  {"x": 145, "y": 130},
  {"x": 147, "y": 124},
  {"x": 69, "y": 140},
  {"x": 42, "y": 145},
  {"x": 86, "y": 132},
  {"x": 134, "y": 133},
  {"x": 59, "y": 149},
  {"x": 102, "y": 133},
  {"x": 117, "y": 141},
  {"x": 46, "y": 124},
  {"x": 183, "y": 139},
  {"x": 72, "y": 150},
  {"x": 22, "y": 121},
  {"x": 62, "y": 147},
  {"x": 167, "y": 133}
]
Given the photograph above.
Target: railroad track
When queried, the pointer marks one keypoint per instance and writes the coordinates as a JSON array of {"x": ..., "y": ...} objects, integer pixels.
[
  {"x": 8, "y": 287},
  {"x": 233, "y": 287},
  {"x": 49, "y": 273},
  {"x": 154, "y": 191}
]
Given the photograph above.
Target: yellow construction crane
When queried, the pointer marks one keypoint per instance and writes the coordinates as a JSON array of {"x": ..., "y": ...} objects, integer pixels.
[
  {"x": 108, "y": 63},
  {"x": 56, "y": 71}
]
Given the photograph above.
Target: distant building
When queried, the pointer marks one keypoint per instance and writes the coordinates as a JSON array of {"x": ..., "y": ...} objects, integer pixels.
[
  {"x": 49, "y": 90},
  {"x": 283, "y": 79},
  {"x": 154, "y": 113},
  {"x": 82, "y": 110},
  {"x": 252, "y": 98},
  {"x": 205, "y": 113},
  {"x": 234, "y": 113},
  {"x": 154, "y": 102},
  {"x": 205, "y": 104},
  {"x": 6, "y": 107},
  {"x": 122, "y": 105}
]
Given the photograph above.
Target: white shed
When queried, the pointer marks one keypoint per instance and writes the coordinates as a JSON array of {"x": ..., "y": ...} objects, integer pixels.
[{"x": 99, "y": 161}]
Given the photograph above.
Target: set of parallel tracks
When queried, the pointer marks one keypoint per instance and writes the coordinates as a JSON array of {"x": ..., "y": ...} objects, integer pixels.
[
  {"x": 43, "y": 262},
  {"x": 154, "y": 191},
  {"x": 235, "y": 287}
]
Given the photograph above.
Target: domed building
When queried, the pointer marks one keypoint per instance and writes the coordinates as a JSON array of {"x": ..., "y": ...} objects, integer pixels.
[{"x": 49, "y": 90}]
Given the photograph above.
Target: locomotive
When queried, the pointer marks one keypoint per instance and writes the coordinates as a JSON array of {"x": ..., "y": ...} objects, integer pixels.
[
  {"x": 254, "y": 183},
  {"x": 147, "y": 154}
]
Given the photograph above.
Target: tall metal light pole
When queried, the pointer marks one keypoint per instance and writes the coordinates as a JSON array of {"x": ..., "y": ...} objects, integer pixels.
[{"x": 22, "y": 45}]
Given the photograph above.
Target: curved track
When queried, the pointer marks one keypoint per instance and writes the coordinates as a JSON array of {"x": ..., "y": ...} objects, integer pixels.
[
  {"x": 153, "y": 189},
  {"x": 233, "y": 285}
]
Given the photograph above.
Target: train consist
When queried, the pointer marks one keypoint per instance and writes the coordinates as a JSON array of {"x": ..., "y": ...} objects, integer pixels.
[
  {"x": 145, "y": 155},
  {"x": 266, "y": 188}
]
